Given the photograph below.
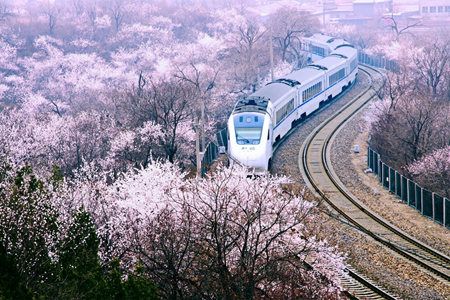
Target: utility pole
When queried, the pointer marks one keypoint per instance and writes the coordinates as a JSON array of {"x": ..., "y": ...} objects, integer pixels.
[
  {"x": 202, "y": 124},
  {"x": 200, "y": 137},
  {"x": 271, "y": 53},
  {"x": 328, "y": 6},
  {"x": 197, "y": 150},
  {"x": 200, "y": 145},
  {"x": 323, "y": 13}
]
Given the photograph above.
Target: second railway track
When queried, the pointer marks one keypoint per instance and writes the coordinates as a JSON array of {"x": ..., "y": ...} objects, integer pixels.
[{"x": 314, "y": 162}]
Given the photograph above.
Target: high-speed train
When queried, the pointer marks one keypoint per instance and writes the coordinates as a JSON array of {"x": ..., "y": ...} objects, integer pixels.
[{"x": 263, "y": 118}]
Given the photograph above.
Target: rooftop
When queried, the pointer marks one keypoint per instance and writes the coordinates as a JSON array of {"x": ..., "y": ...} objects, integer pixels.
[{"x": 370, "y": 1}]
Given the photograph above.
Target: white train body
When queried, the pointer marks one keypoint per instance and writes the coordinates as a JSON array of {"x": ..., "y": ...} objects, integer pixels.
[
  {"x": 320, "y": 45},
  {"x": 266, "y": 116}
]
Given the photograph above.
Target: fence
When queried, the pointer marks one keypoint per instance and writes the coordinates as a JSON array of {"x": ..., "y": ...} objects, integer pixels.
[
  {"x": 426, "y": 202},
  {"x": 378, "y": 61},
  {"x": 212, "y": 150}
]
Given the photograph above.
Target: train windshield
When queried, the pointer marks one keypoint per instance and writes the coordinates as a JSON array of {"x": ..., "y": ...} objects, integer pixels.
[{"x": 248, "y": 127}]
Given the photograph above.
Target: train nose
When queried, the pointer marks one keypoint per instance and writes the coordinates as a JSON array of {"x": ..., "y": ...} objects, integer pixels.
[
  {"x": 256, "y": 165},
  {"x": 252, "y": 159}
]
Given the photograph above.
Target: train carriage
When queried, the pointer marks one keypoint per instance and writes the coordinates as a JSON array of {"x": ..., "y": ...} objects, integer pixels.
[{"x": 320, "y": 45}]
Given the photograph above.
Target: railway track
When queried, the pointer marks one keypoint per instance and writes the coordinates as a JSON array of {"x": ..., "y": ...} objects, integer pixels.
[{"x": 315, "y": 165}]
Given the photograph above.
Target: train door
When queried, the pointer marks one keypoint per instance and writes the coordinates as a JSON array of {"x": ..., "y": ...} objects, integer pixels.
[
  {"x": 298, "y": 102},
  {"x": 270, "y": 134}
]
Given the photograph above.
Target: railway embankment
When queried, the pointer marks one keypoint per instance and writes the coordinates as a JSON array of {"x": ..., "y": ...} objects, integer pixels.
[{"x": 391, "y": 271}]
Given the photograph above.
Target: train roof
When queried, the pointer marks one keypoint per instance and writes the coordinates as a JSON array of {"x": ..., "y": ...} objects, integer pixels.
[
  {"x": 345, "y": 50},
  {"x": 305, "y": 75},
  {"x": 276, "y": 90},
  {"x": 319, "y": 38},
  {"x": 331, "y": 62},
  {"x": 326, "y": 40},
  {"x": 273, "y": 91},
  {"x": 251, "y": 104}
]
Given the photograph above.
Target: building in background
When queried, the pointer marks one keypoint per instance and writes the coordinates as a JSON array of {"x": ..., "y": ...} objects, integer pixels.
[
  {"x": 434, "y": 8},
  {"x": 359, "y": 12},
  {"x": 371, "y": 8},
  {"x": 424, "y": 13}
]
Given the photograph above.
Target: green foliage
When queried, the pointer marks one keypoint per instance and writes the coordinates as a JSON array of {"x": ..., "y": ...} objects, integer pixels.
[
  {"x": 81, "y": 274},
  {"x": 57, "y": 175},
  {"x": 28, "y": 227},
  {"x": 139, "y": 287},
  {"x": 41, "y": 260},
  {"x": 136, "y": 286},
  {"x": 4, "y": 169},
  {"x": 113, "y": 276},
  {"x": 11, "y": 284}
]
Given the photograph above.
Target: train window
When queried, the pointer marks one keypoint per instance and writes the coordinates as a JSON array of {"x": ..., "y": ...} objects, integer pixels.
[
  {"x": 318, "y": 50},
  {"x": 248, "y": 128},
  {"x": 284, "y": 111},
  {"x": 447, "y": 9},
  {"x": 424, "y": 9},
  {"x": 336, "y": 76},
  {"x": 432, "y": 9},
  {"x": 353, "y": 65},
  {"x": 440, "y": 9},
  {"x": 312, "y": 91}
]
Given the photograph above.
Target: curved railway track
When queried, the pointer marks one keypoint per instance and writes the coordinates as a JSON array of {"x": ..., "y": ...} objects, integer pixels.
[{"x": 315, "y": 165}]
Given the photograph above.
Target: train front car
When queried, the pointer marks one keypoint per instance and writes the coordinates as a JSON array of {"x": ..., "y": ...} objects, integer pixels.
[{"x": 249, "y": 135}]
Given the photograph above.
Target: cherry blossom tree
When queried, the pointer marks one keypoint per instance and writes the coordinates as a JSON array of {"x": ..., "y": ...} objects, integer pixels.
[
  {"x": 433, "y": 171},
  {"x": 69, "y": 81},
  {"x": 51, "y": 10},
  {"x": 68, "y": 142},
  {"x": 97, "y": 19},
  {"x": 133, "y": 148},
  {"x": 248, "y": 55},
  {"x": 226, "y": 22},
  {"x": 395, "y": 25},
  {"x": 225, "y": 236},
  {"x": 8, "y": 72},
  {"x": 170, "y": 108},
  {"x": 433, "y": 64},
  {"x": 78, "y": 6},
  {"x": 414, "y": 99},
  {"x": 344, "y": 31},
  {"x": 8, "y": 56},
  {"x": 190, "y": 19},
  {"x": 395, "y": 85},
  {"x": 424, "y": 128},
  {"x": 117, "y": 10},
  {"x": 288, "y": 25},
  {"x": 5, "y": 10}
]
